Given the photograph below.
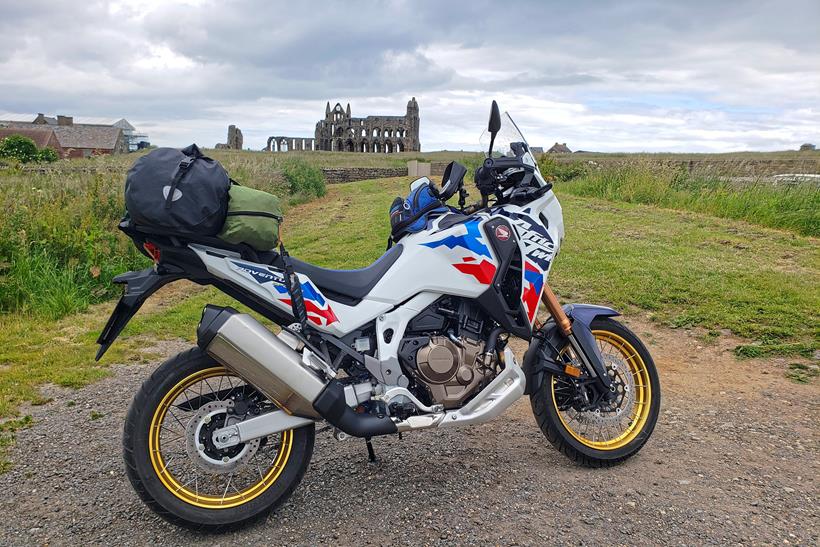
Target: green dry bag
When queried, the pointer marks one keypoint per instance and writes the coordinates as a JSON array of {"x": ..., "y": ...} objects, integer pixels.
[{"x": 253, "y": 218}]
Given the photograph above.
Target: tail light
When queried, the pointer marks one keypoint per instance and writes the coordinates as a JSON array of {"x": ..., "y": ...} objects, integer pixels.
[{"x": 152, "y": 250}]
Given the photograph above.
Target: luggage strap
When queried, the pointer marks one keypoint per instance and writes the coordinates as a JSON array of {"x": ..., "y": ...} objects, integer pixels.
[
  {"x": 297, "y": 300},
  {"x": 184, "y": 165}
]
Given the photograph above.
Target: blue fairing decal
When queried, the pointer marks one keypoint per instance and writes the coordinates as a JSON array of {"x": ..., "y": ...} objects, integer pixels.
[{"x": 470, "y": 241}]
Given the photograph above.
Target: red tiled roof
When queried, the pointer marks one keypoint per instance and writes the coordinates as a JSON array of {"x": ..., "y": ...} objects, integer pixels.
[{"x": 39, "y": 136}]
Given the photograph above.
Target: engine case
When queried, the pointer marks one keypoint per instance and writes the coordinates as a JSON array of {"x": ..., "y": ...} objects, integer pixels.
[{"x": 450, "y": 372}]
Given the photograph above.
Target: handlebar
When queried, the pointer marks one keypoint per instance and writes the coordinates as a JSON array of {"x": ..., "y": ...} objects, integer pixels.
[{"x": 491, "y": 173}]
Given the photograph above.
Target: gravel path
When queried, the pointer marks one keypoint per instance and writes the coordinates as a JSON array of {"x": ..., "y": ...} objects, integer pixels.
[{"x": 734, "y": 459}]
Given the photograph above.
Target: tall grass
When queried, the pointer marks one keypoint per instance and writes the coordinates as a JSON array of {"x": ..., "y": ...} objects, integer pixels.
[
  {"x": 794, "y": 207},
  {"x": 59, "y": 243},
  {"x": 59, "y": 248}
]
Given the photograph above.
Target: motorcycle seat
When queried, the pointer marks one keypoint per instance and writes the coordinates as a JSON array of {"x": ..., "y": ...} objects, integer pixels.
[{"x": 353, "y": 284}]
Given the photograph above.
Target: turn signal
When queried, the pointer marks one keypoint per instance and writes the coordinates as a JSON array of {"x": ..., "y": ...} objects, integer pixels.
[{"x": 570, "y": 370}]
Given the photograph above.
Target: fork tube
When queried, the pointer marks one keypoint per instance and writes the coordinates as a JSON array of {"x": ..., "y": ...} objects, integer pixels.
[{"x": 555, "y": 309}]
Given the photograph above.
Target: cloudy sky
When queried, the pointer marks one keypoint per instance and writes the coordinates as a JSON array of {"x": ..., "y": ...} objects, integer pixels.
[{"x": 627, "y": 75}]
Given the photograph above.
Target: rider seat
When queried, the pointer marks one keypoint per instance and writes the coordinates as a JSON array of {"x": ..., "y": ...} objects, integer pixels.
[{"x": 348, "y": 286}]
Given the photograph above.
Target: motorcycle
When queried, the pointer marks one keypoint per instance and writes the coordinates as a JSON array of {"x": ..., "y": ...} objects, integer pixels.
[{"x": 222, "y": 434}]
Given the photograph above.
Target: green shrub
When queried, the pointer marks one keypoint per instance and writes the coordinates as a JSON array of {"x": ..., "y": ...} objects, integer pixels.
[
  {"x": 304, "y": 180},
  {"x": 47, "y": 155},
  {"x": 19, "y": 148}
]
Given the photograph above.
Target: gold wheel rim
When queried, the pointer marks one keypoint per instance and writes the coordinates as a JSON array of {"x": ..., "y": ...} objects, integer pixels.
[
  {"x": 182, "y": 491},
  {"x": 642, "y": 396}
]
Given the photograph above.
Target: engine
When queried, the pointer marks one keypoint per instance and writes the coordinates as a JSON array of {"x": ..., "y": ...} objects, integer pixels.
[{"x": 443, "y": 352}]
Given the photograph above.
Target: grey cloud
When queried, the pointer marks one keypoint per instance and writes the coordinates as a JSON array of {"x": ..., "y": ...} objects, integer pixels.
[{"x": 597, "y": 59}]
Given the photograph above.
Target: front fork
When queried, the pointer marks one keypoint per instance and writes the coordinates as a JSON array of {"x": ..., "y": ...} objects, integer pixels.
[{"x": 582, "y": 341}]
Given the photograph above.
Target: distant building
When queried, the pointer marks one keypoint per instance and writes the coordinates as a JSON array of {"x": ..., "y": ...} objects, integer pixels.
[
  {"x": 82, "y": 140},
  {"x": 537, "y": 149},
  {"x": 136, "y": 140},
  {"x": 559, "y": 149},
  {"x": 42, "y": 119},
  {"x": 808, "y": 147},
  {"x": 43, "y": 138},
  {"x": 339, "y": 131},
  {"x": 235, "y": 139}
]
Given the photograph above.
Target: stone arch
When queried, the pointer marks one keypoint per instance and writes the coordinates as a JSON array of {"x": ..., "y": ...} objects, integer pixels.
[
  {"x": 364, "y": 132},
  {"x": 399, "y": 146},
  {"x": 388, "y": 147},
  {"x": 363, "y": 147},
  {"x": 376, "y": 132},
  {"x": 337, "y": 145},
  {"x": 349, "y": 146},
  {"x": 376, "y": 147}
]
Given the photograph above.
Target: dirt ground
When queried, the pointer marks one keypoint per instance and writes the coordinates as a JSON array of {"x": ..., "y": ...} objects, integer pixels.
[{"x": 733, "y": 460}]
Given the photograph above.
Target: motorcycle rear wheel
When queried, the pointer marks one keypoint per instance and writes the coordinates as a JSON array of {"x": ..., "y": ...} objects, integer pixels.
[
  {"x": 596, "y": 438},
  {"x": 181, "y": 478}
]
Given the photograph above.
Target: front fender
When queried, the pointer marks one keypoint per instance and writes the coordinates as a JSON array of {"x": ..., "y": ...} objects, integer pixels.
[{"x": 542, "y": 354}]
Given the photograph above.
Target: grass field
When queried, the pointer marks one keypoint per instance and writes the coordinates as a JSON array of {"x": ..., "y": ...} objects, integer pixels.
[
  {"x": 793, "y": 207},
  {"x": 682, "y": 269}
]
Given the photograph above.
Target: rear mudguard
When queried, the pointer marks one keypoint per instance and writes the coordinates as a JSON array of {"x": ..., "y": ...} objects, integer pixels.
[
  {"x": 542, "y": 355},
  {"x": 138, "y": 287}
]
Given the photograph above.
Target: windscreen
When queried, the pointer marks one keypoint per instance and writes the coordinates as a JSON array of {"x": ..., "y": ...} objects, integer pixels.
[
  {"x": 504, "y": 140},
  {"x": 508, "y": 143}
]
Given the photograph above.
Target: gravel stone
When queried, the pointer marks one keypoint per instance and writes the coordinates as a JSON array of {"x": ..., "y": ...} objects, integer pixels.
[{"x": 716, "y": 471}]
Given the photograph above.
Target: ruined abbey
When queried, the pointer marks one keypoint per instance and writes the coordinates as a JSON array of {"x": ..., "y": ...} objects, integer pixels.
[{"x": 339, "y": 131}]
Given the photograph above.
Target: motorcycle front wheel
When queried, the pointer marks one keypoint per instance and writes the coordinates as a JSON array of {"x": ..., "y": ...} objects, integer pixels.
[
  {"x": 173, "y": 464},
  {"x": 611, "y": 432}
]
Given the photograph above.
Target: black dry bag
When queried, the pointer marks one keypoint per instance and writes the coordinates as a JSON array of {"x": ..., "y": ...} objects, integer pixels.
[{"x": 178, "y": 192}]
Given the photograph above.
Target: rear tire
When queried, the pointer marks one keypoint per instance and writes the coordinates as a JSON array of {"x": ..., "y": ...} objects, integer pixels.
[
  {"x": 587, "y": 450},
  {"x": 194, "y": 510}
]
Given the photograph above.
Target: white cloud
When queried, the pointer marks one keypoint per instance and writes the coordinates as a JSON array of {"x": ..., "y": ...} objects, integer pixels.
[{"x": 632, "y": 75}]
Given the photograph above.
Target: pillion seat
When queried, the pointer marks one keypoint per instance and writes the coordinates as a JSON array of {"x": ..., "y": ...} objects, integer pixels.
[{"x": 351, "y": 285}]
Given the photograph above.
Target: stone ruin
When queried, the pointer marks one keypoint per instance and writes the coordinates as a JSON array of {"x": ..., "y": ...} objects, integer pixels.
[
  {"x": 340, "y": 132},
  {"x": 234, "y": 139}
]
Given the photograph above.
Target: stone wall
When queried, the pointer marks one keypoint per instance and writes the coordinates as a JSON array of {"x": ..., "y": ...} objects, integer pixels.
[
  {"x": 350, "y": 174},
  {"x": 437, "y": 167}
]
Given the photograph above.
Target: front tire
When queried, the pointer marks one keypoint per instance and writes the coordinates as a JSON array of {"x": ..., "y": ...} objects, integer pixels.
[
  {"x": 178, "y": 476},
  {"x": 595, "y": 438}
]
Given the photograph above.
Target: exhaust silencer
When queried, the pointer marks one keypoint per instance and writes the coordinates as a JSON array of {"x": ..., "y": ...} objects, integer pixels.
[{"x": 242, "y": 344}]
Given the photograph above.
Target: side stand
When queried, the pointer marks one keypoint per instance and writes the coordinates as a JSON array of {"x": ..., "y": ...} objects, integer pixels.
[{"x": 371, "y": 454}]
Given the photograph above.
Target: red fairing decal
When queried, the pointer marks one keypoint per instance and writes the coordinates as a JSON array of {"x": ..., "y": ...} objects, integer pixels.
[
  {"x": 315, "y": 313},
  {"x": 483, "y": 271},
  {"x": 533, "y": 283}
]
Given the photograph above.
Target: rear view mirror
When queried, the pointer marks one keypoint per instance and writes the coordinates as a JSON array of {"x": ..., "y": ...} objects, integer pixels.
[
  {"x": 493, "y": 126},
  {"x": 495, "y": 119}
]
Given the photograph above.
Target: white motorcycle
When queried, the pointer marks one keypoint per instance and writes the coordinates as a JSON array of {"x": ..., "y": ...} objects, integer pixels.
[{"x": 221, "y": 434}]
